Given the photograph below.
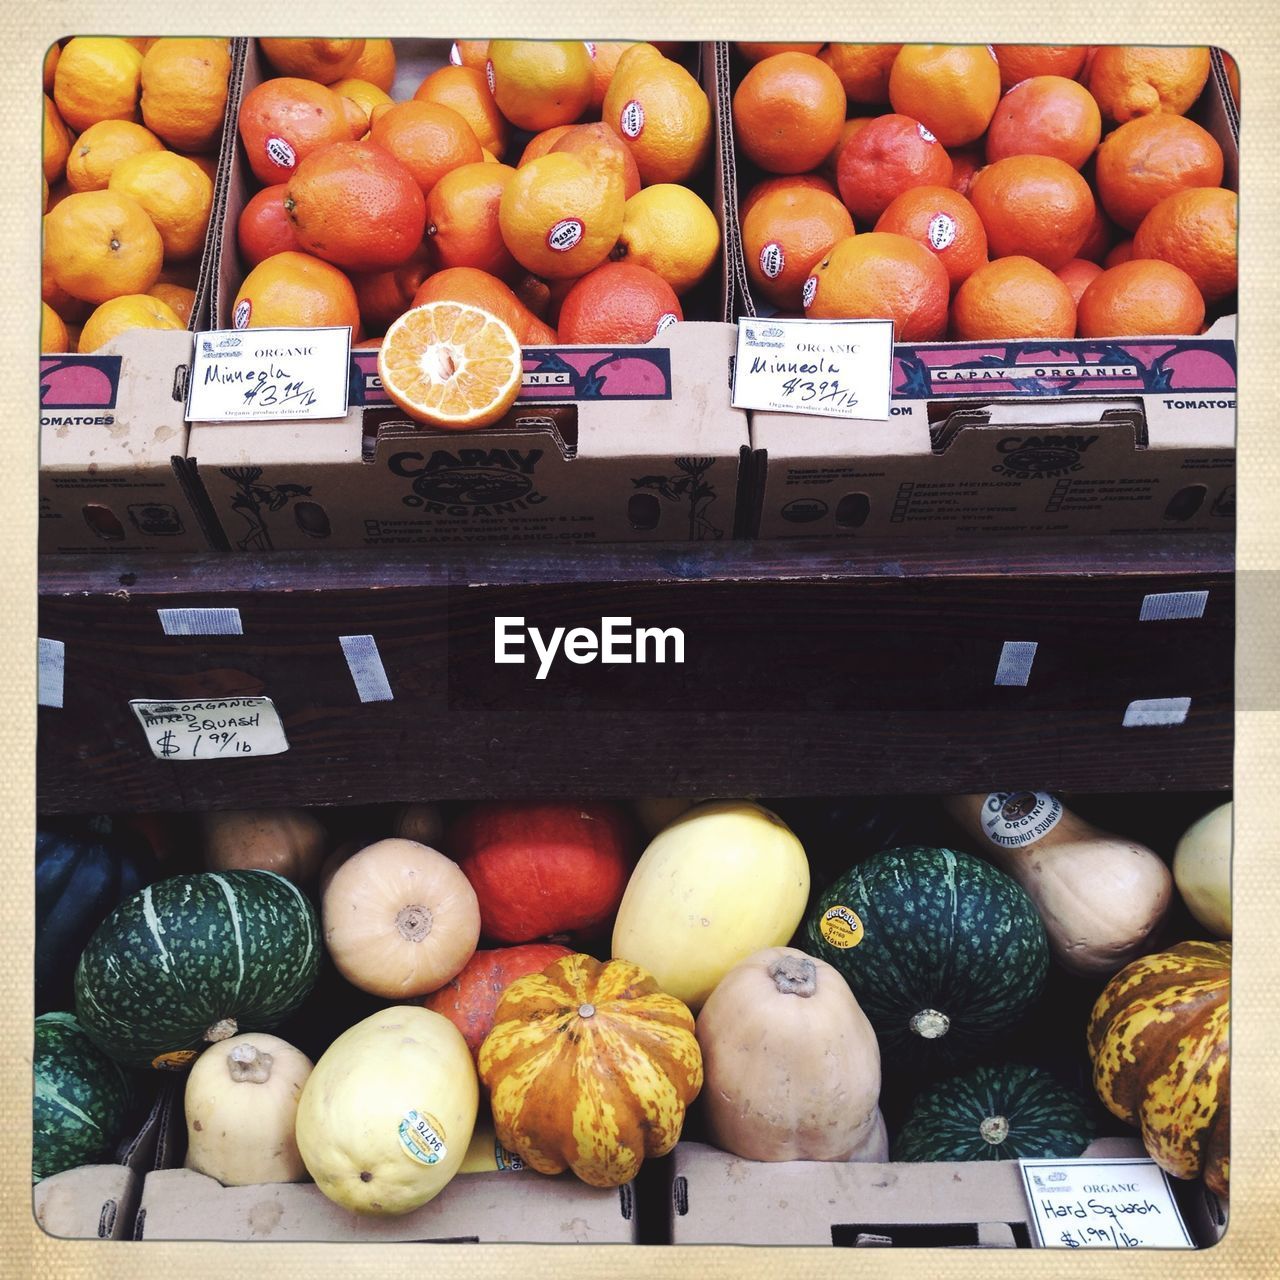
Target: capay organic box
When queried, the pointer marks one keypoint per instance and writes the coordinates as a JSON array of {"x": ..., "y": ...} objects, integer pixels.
[
  {"x": 619, "y": 444},
  {"x": 1086, "y": 436}
]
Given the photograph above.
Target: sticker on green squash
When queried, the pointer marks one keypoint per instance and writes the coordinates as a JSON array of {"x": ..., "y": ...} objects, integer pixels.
[
  {"x": 841, "y": 928},
  {"x": 176, "y": 1060},
  {"x": 422, "y": 1137}
]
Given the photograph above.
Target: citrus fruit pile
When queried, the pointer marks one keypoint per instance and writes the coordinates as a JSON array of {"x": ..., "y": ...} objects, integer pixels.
[
  {"x": 546, "y": 183},
  {"x": 131, "y": 133},
  {"x": 985, "y": 192}
]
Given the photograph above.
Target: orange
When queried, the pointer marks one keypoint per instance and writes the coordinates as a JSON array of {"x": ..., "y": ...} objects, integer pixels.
[
  {"x": 479, "y": 289},
  {"x": 672, "y": 231},
  {"x": 462, "y": 219},
  {"x": 1077, "y": 275},
  {"x": 604, "y": 61},
  {"x": 1046, "y": 116},
  {"x": 466, "y": 91},
  {"x": 72, "y": 310},
  {"x": 561, "y": 214},
  {"x": 965, "y": 163},
  {"x": 184, "y": 92},
  {"x": 176, "y": 195},
  {"x": 785, "y": 233},
  {"x": 129, "y": 311},
  {"x": 363, "y": 96},
  {"x": 295, "y": 289},
  {"x": 863, "y": 69},
  {"x": 283, "y": 121},
  {"x": 355, "y": 205},
  {"x": 57, "y": 142},
  {"x": 1140, "y": 297},
  {"x": 101, "y": 244},
  {"x": 794, "y": 182},
  {"x": 534, "y": 293},
  {"x": 540, "y": 83},
  {"x": 618, "y": 302},
  {"x": 1019, "y": 62},
  {"x": 580, "y": 138},
  {"x": 427, "y": 138},
  {"x": 376, "y": 64},
  {"x": 883, "y": 159},
  {"x": 1134, "y": 80},
  {"x": 97, "y": 78},
  {"x": 1101, "y": 233},
  {"x": 542, "y": 142},
  {"x": 383, "y": 295},
  {"x": 51, "y": 55},
  {"x": 881, "y": 275},
  {"x": 1035, "y": 207},
  {"x": 207, "y": 164},
  {"x": 945, "y": 223},
  {"x": 758, "y": 52},
  {"x": 1150, "y": 158},
  {"x": 470, "y": 53},
  {"x": 264, "y": 228},
  {"x": 101, "y": 147},
  {"x": 831, "y": 165},
  {"x": 44, "y": 194},
  {"x": 1013, "y": 298},
  {"x": 952, "y": 89},
  {"x": 53, "y": 332},
  {"x": 451, "y": 365},
  {"x": 661, "y": 112},
  {"x": 1228, "y": 62},
  {"x": 788, "y": 112},
  {"x": 321, "y": 60},
  {"x": 177, "y": 297},
  {"x": 1120, "y": 252},
  {"x": 1194, "y": 230}
]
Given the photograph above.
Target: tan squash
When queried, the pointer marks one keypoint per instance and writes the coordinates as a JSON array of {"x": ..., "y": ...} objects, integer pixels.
[
  {"x": 1101, "y": 897},
  {"x": 1202, "y": 870},
  {"x": 792, "y": 1065},
  {"x": 241, "y": 1103},
  {"x": 400, "y": 919},
  {"x": 420, "y": 822},
  {"x": 290, "y": 842}
]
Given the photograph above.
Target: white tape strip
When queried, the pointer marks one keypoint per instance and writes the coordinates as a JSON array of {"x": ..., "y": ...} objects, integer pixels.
[
  {"x": 201, "y": 622},
  {"x": 1166, "y": 606},
  {"x": 367, "y": 671},
  {"x": 49, "y": 680},
  {"x": 1016, "y": 657},
  {"x": 1150, "y": 711}
]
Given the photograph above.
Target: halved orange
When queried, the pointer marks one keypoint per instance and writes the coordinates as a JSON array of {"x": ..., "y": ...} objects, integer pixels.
[{"x": 451, "y": 365}]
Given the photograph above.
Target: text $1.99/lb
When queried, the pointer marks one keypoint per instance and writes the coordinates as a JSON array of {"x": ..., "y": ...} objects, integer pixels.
[{"x": 211, "y": 728}]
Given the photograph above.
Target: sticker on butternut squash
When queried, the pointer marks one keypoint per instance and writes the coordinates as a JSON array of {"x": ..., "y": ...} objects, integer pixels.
[
  {"x": 1011, "y": 819},
  {"x": 841, "y": 928},
  {"x": 422, "y": 1137}
]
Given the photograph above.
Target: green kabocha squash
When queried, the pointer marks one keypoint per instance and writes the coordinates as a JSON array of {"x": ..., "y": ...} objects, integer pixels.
[
  {"x": 196, "y": 959},
  {"x": 81, "y": 1100},
  {"x": 942, "y": 951},
  {"x": 996, "y": 1113}
]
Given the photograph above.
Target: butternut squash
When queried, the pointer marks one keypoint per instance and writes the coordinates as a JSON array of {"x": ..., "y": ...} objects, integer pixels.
[
  {"x": 791, "y": 1063},
  {"x": 1202, "y": 870},
  {"x": 290, "y": 842},
  {"x": 241, "y": 1103},
  {"x": 1101, "y": 897}
]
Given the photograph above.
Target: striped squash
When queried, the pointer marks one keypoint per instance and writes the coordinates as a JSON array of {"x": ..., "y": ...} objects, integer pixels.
[
  {"x": 195, "y": 959},
  {"x": 1160, "y": 1044},
  {"x": 996, "y": 1113},
  {"x": 590, "y": 1067},
  {"x": 81, "y": 1098}
]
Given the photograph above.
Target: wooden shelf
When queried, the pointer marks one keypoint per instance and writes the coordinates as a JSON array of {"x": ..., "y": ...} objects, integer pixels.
[{"x": 810, "y": 669}]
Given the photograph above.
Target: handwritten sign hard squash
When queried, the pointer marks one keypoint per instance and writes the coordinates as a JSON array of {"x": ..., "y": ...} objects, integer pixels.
[
  {"x": 210, "y": 728},
  {"x": 240, "y": 375},
  {"x": 834, "y": 368}
]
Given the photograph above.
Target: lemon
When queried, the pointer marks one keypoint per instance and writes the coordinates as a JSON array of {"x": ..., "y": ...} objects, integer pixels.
[
  {"x": 540, "y": 83},
  {"x": 672, "y": 231}
]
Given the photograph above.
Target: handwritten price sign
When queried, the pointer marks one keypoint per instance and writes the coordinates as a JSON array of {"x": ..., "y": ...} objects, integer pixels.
[
  {"x": 211, "y": 728},
  {"x": 835, "y": 368},
  {"x": 1103, "y": 1204},
  {"x": 241, "y": 375}
]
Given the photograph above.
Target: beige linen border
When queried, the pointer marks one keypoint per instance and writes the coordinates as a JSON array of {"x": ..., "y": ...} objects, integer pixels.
[{"x": 1252, "y": 1245}]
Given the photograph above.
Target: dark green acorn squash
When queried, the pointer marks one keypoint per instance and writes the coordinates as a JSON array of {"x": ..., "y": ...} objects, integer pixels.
[
  {"x": 996, "y": 1113},
  {"x": 194, "y": 959},
  {"x": 81, "y": 1101},
  {"x": 943, "y": 951}
]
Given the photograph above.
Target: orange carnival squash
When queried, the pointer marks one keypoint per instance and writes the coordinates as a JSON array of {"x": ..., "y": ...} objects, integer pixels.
[
  {"x": 590, "y": 1067},
  {"x": 1159, "y": 1040}
]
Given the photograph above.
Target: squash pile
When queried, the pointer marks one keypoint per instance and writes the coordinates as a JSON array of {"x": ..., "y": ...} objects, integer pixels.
[{"x": 555, "y": 988}]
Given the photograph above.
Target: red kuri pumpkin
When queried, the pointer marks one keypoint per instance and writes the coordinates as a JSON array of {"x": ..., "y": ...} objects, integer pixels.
[{"x": 544, "y": 868}]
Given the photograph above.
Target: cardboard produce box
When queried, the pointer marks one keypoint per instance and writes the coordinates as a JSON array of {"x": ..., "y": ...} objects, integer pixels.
[
  {"x": 624, "y": 444},
  {"x": 480, "y": 1208},
  {"x": 1016, "y": 437}
]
